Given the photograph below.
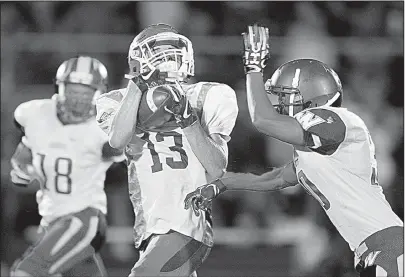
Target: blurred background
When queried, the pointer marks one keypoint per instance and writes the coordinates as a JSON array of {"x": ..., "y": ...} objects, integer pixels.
[{"x": 283, "y": 233}]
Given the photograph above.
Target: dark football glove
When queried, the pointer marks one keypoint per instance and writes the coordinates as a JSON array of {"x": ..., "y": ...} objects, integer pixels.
[
  {"x": 182, "y": 111},
  {"x": 256, "y": 45},
  {"x": 201, "y": 198}
]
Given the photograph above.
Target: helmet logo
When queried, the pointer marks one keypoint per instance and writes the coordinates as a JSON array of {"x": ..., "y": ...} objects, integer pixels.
[
  {"x": 134, "y": 53},
  {"x": 296, "y": 79}
]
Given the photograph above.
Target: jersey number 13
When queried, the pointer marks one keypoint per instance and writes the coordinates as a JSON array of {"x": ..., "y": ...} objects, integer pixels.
[{"x": 177, "y": 147}]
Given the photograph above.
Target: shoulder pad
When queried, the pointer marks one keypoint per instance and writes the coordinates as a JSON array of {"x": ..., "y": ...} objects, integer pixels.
[
  {"x": 324, "y": 129},
  {"x": 29, "y": 109},
  {"x": 115, "y": 95}
]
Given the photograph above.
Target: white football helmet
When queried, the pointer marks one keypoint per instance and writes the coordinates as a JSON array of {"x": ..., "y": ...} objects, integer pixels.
[
  {"x": 84, "y": 70},
  {"x": 161, "y": 47}
]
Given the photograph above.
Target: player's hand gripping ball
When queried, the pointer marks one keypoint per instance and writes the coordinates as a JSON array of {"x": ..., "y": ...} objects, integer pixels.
[
  {"x": 182, "y": 111},
  {"x": 156, "y": 95},
  {"x": 152, "y": 114}
]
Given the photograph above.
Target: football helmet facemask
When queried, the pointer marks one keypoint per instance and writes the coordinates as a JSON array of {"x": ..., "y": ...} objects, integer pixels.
[
  {"x": 161, "y": 47},
  {"x": 76, "y": 104},
  {"x": 302, "y": 84}
]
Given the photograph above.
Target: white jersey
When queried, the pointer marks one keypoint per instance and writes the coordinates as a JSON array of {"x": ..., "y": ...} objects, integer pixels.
[
  {"x": 68, "y": 157},
  {"x": 164, "y": 170},
  {"x": 340, "y": 171}
]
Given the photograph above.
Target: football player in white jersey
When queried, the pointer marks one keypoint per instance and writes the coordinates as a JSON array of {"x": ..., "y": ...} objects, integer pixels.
[
  {"x": 167, "y": 163},
  {"x": 334, "y": 155},
  {"x": 65, "y": 150}
]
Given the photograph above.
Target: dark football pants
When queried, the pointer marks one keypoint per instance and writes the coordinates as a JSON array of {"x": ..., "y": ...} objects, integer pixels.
[
  {"x": 382, "y": 254},
  {"x": 65, "y": 243},
  {"x": 171, "y": 254}
]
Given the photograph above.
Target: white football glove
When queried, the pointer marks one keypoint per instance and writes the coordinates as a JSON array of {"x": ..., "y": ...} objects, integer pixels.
[
  {"x": 18, "y": 176},
  {"x": 25, "y": 177},
  {"x": 256, "y": 45}
]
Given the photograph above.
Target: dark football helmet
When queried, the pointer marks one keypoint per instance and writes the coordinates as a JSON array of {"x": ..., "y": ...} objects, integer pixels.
[
  {"x": 161, "y": 47},
  {"x": 77, "y": 104},
  {"x": 304, "y": 83}
]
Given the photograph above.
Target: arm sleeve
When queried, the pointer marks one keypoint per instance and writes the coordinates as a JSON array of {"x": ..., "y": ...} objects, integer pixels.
[
  {"x": 220, "y": 111},
  {"x": 106, "y": 106},
  {"x": 324, "y": 130}
]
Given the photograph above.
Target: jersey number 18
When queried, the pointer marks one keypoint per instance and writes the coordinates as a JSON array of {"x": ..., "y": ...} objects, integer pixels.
[{"x": 63, "y": 170}]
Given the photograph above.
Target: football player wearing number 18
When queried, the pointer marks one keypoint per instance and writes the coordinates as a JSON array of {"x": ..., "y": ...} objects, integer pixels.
[
  {"x": 334, "y": 155},
  {"x": 166, "y": 163},
  {"x": 65, "y": 150}
]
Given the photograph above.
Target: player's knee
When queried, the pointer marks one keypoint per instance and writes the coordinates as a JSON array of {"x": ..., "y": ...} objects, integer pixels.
[{"x": 20, "y": 273}]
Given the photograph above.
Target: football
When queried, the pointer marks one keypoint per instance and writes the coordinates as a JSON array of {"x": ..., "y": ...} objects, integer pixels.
[{"x": 151, "y": 112}]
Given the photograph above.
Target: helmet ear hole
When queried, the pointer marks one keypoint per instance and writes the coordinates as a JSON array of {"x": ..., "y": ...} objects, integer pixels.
[
  {"x": 308, "y": 104},
  {"x": 134, "y": 66}
]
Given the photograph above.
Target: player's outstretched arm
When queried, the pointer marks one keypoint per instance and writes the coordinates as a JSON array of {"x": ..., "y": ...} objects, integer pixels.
[
  {"x": 125, "y": 118},
  {"x": 262, "y": 113},
  {"x": 276, "y": 179}
]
